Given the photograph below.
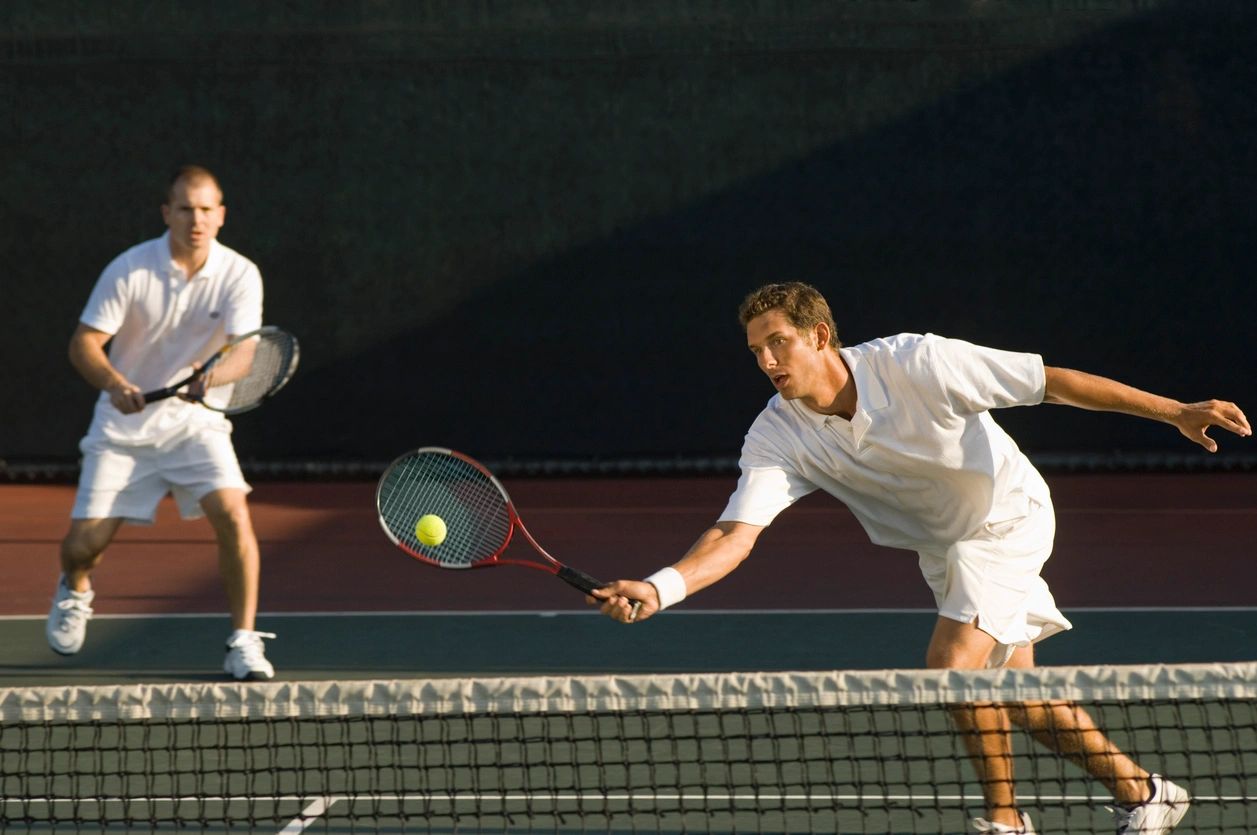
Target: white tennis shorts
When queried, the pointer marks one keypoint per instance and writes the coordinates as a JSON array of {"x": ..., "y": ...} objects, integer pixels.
[
  {"x": 128, "y": 482},
  {"x": 993, "y": 579}
]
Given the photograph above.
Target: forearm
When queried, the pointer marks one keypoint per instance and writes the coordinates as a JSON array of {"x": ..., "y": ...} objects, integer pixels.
[
  {"x": 720, "y": 550},
  {"x": 87, "y": 355},
  {"x": 1193, "y": 420},
  {"x": 716, "y": 553},
  {"x": 1089, "y": 391},
  {"x": 235, "y": 365}
]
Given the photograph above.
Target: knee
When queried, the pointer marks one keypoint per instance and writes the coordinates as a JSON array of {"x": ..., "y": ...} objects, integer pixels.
[
  {"x": 944, "y": 658},
  {"x": 958, "y": 645},
  {"x": 230, "y": 519},
  {"x": 954, "y": 655}
]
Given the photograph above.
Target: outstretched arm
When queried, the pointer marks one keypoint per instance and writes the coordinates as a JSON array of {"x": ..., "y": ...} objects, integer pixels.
[
  {"x": 717, "y": 552},
  {"x": 1088, "y": 391}
]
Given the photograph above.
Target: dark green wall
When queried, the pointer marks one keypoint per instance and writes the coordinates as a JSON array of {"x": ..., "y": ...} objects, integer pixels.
[{"x": 523, "y": 228}]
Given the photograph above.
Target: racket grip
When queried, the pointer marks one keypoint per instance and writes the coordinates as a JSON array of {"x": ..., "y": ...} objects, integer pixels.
[
  {"x": 160, "y": 394},
  {"x": 579, "y": 579}
]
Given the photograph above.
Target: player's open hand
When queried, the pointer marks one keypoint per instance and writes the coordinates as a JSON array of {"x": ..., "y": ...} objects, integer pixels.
[
  {"x": 628, "y": 601},
  {"x": 126, "y": 397},
  {"x": 1195, "y": 419}
]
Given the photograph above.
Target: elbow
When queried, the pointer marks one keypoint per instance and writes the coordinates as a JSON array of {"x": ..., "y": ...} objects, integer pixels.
[
  {"x": 74, "y": 351},
  {"x": 741, "y": 539},
  {"x": 1053, "y": 384},
  {"x": 86, "y": 345}
]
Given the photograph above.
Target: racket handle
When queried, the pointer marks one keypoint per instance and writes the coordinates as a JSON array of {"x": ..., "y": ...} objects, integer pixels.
[
  {"x": 579, "y": 579},
  {"x": 160, "y": 394}
]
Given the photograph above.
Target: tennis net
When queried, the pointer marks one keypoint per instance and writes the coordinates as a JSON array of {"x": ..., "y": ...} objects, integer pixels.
[{"x": 738, "y": 752}]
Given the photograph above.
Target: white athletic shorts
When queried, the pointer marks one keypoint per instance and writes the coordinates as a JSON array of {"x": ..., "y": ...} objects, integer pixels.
[
  {"x": 128, "y": 482},
  {"x": 993, "y": 579}
]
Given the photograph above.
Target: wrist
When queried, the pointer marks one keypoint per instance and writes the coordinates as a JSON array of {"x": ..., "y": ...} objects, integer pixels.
[
  {"x": 669, "y": 586},
  {"x": 117, "y": 384}
]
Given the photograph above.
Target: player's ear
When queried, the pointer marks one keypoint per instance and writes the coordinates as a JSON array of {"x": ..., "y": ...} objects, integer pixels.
[{"x": 821, "y": 332}]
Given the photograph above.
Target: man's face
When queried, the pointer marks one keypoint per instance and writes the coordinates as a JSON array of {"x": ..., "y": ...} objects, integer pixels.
[
  {"x": 194, "y": 214},
  {"x": 790, "y": 358}
]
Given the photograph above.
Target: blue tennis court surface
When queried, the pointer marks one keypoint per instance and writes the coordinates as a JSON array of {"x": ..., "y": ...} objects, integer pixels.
[{"x": 323, "y": 646}]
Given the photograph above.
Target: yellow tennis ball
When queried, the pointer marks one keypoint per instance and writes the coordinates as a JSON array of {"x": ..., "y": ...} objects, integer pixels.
[{"x": 430, "y": 529}]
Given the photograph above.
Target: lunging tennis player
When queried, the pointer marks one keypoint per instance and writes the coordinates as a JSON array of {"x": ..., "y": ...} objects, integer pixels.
[{"x": 900, "y": 430}]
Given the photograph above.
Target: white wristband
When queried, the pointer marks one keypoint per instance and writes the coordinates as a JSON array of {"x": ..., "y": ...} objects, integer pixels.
[{"x": 670, "y": 585}]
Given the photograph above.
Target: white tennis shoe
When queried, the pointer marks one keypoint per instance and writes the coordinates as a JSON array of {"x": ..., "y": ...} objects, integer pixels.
[
  {"x": 984, "y": 825},
  {"x": 246, "y": 656},
  {"x": 1159, "y": 814},
  {"x": 67, "y": 621}
]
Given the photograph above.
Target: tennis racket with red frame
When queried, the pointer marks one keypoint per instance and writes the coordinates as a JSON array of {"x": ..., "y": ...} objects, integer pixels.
[{"x": 479, "y": 517}]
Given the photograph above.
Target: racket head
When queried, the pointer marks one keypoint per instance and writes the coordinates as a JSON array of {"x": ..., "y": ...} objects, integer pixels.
[
  {"x": 276, "y": 354},
  {"x": 478, "y": 514}
]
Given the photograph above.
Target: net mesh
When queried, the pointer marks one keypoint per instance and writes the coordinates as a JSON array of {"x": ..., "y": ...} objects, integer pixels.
[
  {"x": 469, "y": 502},
  {"x": 275, "y": 355},
  {"x": 781, "y": 752}
]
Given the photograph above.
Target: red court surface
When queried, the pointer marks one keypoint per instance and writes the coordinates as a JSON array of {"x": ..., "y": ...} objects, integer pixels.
[{"x": 1128, "y": 540}]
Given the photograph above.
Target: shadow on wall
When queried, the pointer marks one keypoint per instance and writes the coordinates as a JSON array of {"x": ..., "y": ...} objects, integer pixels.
[
  {"x": 493, "y": 240},
  {"x": 1093, "y": 205}
]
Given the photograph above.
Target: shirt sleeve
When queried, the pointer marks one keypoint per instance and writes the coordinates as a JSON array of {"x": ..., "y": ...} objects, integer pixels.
[
  {"x": 106, "y": 307},
  {"x": 977, "y": 379},
  {"x": 767, "y": 485},
  {"x": 243, "y": 311}
]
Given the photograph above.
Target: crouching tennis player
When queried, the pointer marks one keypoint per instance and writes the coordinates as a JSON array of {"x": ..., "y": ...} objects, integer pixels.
[
  {"x": 157, "y": 309},
  {"x": 900, "y": 430}
]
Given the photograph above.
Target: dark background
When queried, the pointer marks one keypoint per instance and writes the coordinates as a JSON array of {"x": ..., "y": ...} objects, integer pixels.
[{"x": 522, "y": 229}]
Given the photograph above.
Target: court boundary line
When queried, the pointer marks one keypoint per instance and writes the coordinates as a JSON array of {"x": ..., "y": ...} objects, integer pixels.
[
  {"x": 546, "y": 613},
  {"x": 325, "y": 803},
  {"x": 315, "y": 809},
  {"x": 319, "y": 807}
]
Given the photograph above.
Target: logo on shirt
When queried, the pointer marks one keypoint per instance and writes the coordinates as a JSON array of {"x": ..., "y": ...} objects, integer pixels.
[{"x": 214, "y": 315}]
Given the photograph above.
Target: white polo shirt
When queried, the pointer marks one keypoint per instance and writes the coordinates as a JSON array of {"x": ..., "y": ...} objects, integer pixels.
[
  {"x": 921, "y": 464},
  {"x": 162, "y": 322}
]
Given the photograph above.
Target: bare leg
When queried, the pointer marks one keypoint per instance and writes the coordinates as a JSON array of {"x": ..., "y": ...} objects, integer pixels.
[
  {"x": 1063, "y": 727},
  {"x": 82, "y": 548},
  {"x": 1067, "y": 728},
  {"x": 985, "y": 726},
  {"x": 239, "y": 563}
]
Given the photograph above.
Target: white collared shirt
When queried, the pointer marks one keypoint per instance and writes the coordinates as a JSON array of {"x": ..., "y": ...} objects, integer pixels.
[
  {"x": 921, "y": 463},
  {"x": 161, "y": 323}
]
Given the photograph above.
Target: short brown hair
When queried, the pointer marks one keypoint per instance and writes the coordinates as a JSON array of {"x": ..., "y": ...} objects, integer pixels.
[
  {"x": 803, "y": 305},
  {"x": 191, "y": 174}
]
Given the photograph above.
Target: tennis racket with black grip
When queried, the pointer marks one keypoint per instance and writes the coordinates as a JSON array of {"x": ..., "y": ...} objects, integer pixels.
[
  {"x": 480, "y": 518},
  {"x": 241, "y": 375}
]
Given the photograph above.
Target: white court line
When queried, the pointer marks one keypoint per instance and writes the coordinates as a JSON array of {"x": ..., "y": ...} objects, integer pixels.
[
  {"x": 482, "y": 613},
  {"x": 320, "y": 806},
  {"x": 468, "y": 613},
  {"x": 317, "y": 807}
]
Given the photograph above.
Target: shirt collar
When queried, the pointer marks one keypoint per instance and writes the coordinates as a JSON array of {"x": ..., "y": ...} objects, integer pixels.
[
  {"x": 213, "y": 262},
  {"x": 870, "y": 390},
  {"x": 870, "y": 393}
]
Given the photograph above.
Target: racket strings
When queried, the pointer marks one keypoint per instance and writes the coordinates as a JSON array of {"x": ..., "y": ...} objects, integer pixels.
[
  {"x": 475, "y": 511},
  {"x": 274, "y": 356}
]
